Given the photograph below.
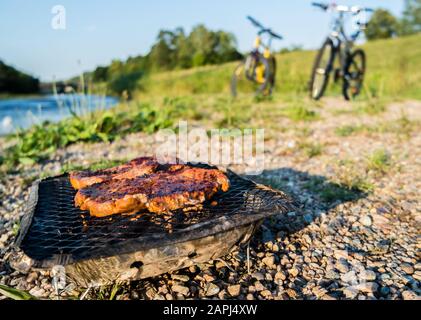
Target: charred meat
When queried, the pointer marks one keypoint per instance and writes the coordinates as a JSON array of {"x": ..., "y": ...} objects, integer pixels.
[
  {"x": 169, "y": 188},
  {"x": 135, "y": 168}
]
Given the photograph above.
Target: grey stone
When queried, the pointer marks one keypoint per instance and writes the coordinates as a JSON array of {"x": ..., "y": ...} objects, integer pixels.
[
  {"x": 212, "y": 289},
  {"x": 37, "y": 292},
  {"x": 294, "y": 271},
  {"x": 269, "y": 261},
  {"x": 234, "y": 290},
  {"x": 259, "y": 286},
  {"x": 179, "y": 277},
  {"x": 350, "y": 292},
  {"x": 342, "y": 266},
  {"x": 407, "y": 268},
  {"x": 280, "y": 275},
  {"x": 366, "y": 221},
  {"x": 349, "y": 277},
  {"x": 181, "y": 289},
  {"x": 266, "y": 293},
  {"x": 32, "y": 277},
  {"x": 367, "y": 287},
  {"x": 410, "y": 295},
  {"x": 332, "y": 274},
  {"x": 368, "y": 275},
  {"x": 417, "y": 275},
  {"x": 258, "y": 276}
]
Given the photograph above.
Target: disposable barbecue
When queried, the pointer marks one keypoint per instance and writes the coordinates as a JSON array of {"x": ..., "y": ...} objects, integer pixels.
[
  {"x": 170, "y": 188},
  {"x": 99, "y": 251}
]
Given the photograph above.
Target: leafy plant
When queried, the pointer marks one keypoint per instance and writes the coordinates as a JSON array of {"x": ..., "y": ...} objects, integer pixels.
[
  {"x": 15, "y": 294},
  {"x": 42, "y": 140},
  {"x": 379, "y": 160}
]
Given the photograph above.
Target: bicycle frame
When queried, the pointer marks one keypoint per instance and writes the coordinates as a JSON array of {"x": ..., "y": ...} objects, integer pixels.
[
  {"x": 258, "y": 43},
  {"x": 339, "y": 36},
  {"x": 259, "y": 66}
]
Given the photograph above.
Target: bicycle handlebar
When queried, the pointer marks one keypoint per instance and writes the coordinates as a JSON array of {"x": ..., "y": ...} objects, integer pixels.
[
  {"x": 255, "y": 22},
  {"x": 263, "y": 29},
  {"x": 341, "y": 8},
  {"x": 275, "y": 35},
  {"x": 322, "y": 6}
]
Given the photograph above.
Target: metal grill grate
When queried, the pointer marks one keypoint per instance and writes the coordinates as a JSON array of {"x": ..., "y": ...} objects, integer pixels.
[{"x": 54, "y": 229}]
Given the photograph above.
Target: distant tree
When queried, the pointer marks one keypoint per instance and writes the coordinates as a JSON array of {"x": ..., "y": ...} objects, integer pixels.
[
  {"x": 173, "y": 49},
  {"x": 124, "y": 82},
  {"x": 14, "y": 81},
  {"x": 183, "y": 54},
  {"x": 226, "y": 47},
  {"x": 212, "y": 47},
  {"x": 162, "y": 53},
  {"x": 411, "y": 20},
  {"x": 382, "y": 25},
  {"x": 100, "y": 74},
  {"x": 292, "y": 48},
  {"x": 203, "y": 42}
]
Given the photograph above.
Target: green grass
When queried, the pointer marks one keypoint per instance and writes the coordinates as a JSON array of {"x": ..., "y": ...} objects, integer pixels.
[
  {"x": 299, "y": 112},
  {"x": 15, "y": 294},
  {"x": 347, "y": 130},
  {"x": 371, "y": 107},
  {"x": 380, "y": 160},
  {"x": 311, "y": 149},
  {"x": 202, "y": 94},
  {"x": 42, "y": 140},
  {"x": 401, "y": 127},
  {"x": 67, "y": 167},
  {"x": 330, "y": 192},
  {"x": 393, "y": 71}
]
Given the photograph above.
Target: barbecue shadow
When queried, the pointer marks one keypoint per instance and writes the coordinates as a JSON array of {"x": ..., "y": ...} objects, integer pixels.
[{"x": 314, "y": 196}]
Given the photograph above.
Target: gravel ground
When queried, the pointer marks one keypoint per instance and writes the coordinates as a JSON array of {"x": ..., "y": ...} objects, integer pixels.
[{"x": 334, "y": 247}]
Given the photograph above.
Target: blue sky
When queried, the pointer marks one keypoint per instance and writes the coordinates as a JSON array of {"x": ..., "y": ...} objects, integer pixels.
[{"x": 100, "y": 31}]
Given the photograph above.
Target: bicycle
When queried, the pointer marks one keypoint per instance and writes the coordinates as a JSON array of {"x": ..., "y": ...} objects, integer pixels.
[
  {"x": 352, "y": 63},
  {"x": 259, "y": 66}
]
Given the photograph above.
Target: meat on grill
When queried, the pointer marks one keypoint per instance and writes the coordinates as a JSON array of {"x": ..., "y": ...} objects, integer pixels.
[
  {"x": 170, "y": 188},
  {"x": 135, "y": 168}
]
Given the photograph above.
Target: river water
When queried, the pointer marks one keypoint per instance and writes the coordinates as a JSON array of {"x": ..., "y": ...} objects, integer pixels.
[{"x": 23, "y": 113}]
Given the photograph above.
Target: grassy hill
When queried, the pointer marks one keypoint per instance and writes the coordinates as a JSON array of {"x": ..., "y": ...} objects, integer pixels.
[
  {"x": 13, "y": 81},
  {"x": 394, "y": 71},
  {"x": 201, "y": 95}
]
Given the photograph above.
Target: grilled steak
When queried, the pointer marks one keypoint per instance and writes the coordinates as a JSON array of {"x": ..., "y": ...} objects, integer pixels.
[
  {"x": 170, "y": 188},
  {"x": 135, "y": 168}
]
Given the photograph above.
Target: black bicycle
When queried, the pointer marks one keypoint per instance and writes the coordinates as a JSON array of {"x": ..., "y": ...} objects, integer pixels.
[
  {"x": 257, "y": 71},
  {"x": 351, "y": 65}
]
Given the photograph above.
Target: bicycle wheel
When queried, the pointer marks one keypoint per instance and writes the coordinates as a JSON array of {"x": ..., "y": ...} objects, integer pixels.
[
  {"x": 272, "y": 77},
  {"x": 354, "y": 74},
  {"x": 252, "y": 75},
  {"x": 321, "y": 69}
]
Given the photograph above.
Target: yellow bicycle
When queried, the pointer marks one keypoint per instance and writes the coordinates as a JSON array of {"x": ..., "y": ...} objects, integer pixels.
[{"x": 257, "y": 72}]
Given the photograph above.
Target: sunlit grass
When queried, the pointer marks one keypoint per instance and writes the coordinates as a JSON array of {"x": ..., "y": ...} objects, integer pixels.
[{"x": 379, "y": 160}]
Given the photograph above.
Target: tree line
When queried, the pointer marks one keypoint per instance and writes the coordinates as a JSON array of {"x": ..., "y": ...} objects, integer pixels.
[
  {"x": 173, "y": 49},
  {"x": 16, "y": 82},
  {"x": 383, "y": 24}
]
